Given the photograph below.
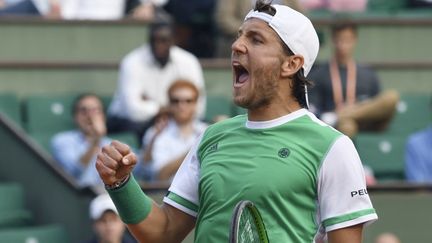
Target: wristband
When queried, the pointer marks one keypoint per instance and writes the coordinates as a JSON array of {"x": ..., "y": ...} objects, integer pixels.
[
  {"x": 131, "y": 202},
  {"x": 117, "y": 184}
]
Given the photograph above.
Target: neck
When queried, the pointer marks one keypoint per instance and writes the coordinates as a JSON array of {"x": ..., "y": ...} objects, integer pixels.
[
  {"x": 273, "y": 111},
  {"x": 185, "y": 128}
]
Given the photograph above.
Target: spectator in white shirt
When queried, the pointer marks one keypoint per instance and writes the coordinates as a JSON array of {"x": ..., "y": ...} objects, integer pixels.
[
  {"x": 168, "y": 141},
  {"x": 83, "y": 9},
  {"x": 145, "y": 75}
]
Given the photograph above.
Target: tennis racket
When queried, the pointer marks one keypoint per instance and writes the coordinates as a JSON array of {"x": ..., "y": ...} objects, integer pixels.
[{"x": 247, "y": 225}]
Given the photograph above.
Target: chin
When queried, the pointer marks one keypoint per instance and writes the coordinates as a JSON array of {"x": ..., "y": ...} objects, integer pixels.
[{"x": 241, "y": 101}]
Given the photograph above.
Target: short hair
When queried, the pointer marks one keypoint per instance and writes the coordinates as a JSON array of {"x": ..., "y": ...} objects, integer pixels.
[
  {"x": 341, "y": 25},
  {"x": 181, "y": 83},
  {"x": 161, "y": 20},
  {"x": 82, "y": 96}
]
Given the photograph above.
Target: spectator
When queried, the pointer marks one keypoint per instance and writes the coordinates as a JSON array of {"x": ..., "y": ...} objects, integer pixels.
[
  {"x": 145, "y": 75},
  {"x": 229, "y": 16},
  {"x": 76, "y": 150},
  {"x": 30, "y": 7},
  {"x": 84, "y": 9},
  {"x": 97, "y": 9},
  {"x": 194, "y": 26},
  {"x": 335, "y": 5},
  {"x": 7, "y": 3},
  {"x": 346, "y": 94},
  {"x": 176, "y": 133},
  {"x": 107, "y": 225},
  {"x": 111, "y": 9},
  {"x": 418, "y": 156},
  {"x": 419, "y": 4},
  {"x": 387, "y": 238},
  {"x": 146, "y": 10}
]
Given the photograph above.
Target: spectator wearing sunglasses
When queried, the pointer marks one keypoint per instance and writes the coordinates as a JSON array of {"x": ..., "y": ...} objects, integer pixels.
[{"x": 166, "y": 143}]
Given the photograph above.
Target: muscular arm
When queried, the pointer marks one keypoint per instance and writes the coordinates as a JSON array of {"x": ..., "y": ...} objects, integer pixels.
[
  {"x": 92, "y": 150},
  {"x": 147, "y": 221},
  {"x": 351, "y": 234},
  {"x": 164, "y": 224}
]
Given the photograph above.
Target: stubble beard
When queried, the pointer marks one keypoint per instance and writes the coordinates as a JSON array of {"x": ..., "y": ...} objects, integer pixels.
[{"x": 261, "y": 90}]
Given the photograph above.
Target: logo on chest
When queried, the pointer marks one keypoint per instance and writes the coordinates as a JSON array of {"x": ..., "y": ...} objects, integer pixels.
[
  {"x": 284, "y": 152},
  {"x": 212, "y": 148}
]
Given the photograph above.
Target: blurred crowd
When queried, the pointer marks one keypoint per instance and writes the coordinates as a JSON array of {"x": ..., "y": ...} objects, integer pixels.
[
  {"x": 161, "y": 94},
  {"x": 206, "y": 28}
]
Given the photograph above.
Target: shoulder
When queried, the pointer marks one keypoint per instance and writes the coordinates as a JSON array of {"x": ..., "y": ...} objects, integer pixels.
[
  {"x": 66, "y": 138},
  {"x": 420, "y": 136},
  {"x": 222, "y": 128},
  {"x": 200, "y": 126},
  {"x": 227, "y": 124},
  {"x": 180, "y": 54},
  {"x": 309, "y": 131},
  {"x": 71, "y": 134},
  {"x": 319, "y": 127},
  {"x": 218, "y": 131},
  {"x": 137, "y": 54}
]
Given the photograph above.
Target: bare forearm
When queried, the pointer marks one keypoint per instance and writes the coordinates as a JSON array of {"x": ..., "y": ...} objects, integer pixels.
[
  {"x": 147, "y": 153},
  {"x": 89, "y": 154},
  {"x": 351, "y": 234},
  {"x": 160, "y": 226},
  {"x": 146, "y": 220}
]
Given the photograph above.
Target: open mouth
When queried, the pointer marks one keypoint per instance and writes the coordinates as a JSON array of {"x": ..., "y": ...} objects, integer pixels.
[{"x": 241, "y": 74}]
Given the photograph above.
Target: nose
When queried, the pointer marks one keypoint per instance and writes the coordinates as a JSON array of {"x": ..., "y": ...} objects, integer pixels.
[{"x": 238, "y": 46}]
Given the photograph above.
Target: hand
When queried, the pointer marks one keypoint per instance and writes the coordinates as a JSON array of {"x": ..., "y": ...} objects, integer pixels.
[
  {"x": 98, "y": 125},
  {"x": 115, "y": 162},
  {"x": 160, "y": 124},
  {"x": 145, "y": 12},
  {"x": 54, "y": 10}
]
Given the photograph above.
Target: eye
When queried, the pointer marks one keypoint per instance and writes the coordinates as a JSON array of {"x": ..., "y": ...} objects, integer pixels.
[{"x": 256, "y": 40}]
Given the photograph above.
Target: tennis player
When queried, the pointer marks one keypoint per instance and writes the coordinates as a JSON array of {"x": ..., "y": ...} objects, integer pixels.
[{"x": 305, "y": 177}]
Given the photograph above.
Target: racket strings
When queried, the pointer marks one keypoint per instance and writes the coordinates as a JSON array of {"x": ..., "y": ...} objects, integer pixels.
[{"x": 249, "y": 232}]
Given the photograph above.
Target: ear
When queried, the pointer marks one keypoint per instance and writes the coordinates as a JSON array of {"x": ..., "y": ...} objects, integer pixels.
[{"x": 291, "y": 65}]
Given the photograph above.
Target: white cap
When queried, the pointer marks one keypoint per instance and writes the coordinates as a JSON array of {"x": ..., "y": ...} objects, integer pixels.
[
  {"x": 100, "y": 205},
  {"x": 295, "y": 30}
]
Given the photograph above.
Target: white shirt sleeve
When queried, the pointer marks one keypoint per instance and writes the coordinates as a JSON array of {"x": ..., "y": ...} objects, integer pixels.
[
  {"x": 185, "y": 182},
  {"x": 342, "y": 194}
]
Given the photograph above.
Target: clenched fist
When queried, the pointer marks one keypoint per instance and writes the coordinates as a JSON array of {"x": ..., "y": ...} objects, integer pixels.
[{"x": 115, "y": 162}]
